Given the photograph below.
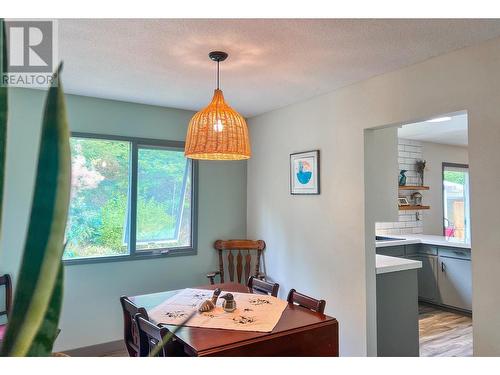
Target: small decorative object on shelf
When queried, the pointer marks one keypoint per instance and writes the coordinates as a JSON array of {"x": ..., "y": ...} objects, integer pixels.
[
  {"x": 420, "y": 167},
  {"x": 403, "y": 201},
  {"x": 402, "y": 177},
  {"x": 229, "y": 304},
  {"x": 209, "y": 304},
  {"x": 416, "y": 198}
]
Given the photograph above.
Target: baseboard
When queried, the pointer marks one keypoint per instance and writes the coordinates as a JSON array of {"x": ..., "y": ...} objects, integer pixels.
[
  {"x": 446, "y": 308},
  {"x": 96, "y": 350}
]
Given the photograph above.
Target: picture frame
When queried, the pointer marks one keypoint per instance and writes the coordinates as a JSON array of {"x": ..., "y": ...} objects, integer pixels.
[
  {"x": 403, "y": 201},
  {"x": 305, "y": 173}
]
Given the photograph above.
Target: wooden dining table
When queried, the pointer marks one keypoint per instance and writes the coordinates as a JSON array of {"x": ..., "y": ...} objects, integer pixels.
[{"x": 299, "y": 332}]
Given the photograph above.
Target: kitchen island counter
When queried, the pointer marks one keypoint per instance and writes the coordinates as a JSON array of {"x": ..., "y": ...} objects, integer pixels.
[
  {"x": 397, "y": 306},
  {"x": 385, "y": 264}
]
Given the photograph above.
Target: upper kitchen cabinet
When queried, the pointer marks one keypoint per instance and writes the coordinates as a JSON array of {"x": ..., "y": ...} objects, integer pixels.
[{"x": 381, "y": 162}]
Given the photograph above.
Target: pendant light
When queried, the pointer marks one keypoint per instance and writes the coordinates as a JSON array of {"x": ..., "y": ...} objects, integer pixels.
[{"x": 217, "y": 132}]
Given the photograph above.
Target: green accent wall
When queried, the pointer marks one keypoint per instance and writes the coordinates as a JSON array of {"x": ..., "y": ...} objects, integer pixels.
[{"x": 91, "y": 309}]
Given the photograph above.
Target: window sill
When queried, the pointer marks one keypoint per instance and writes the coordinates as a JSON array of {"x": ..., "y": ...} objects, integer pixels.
[{"x": 142, "y": 255}]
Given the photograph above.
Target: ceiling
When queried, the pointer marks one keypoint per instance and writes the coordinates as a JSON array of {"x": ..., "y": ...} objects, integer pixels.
[
  {"x": 272, "y": 62},
  {"x": 452, "y": 132}
]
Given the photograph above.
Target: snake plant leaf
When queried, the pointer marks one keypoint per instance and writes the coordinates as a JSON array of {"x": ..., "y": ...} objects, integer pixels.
[
  {"x": 46, "y": 335},
  {"x": 156, "y": 350},
  {"x": 3, "y": 111},
  {"x": 44, "y": 245}
]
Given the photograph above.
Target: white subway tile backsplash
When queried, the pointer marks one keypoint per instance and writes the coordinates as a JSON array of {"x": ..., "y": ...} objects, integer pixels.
[
  {"x": 409, "y": 151},
  {"x": 383, "y": 226},
  {"x": 402, "y": 141},
  {"x": 413, "y": 149}
]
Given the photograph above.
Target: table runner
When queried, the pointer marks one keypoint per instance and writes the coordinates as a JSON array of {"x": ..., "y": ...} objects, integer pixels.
[{"x": 254, "y": 312}]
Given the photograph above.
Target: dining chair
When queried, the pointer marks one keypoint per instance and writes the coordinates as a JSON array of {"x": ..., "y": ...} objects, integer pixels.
[
  {"x": 130, "y": 329},
  {"x": 306, "y": 301},
  {"x": 150, "y": 335},
  {"x": 6, "y": 282},
  {"x": 263, "y": 287},
  {"x": 248, "y": 249}
]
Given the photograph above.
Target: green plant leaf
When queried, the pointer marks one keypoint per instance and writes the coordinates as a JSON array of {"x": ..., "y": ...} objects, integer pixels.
[
  {"x": 3, "y": 112},
  {"x": 156, "y": 350},
  {"x": 46, "y": 335},
  {"x": 45, "y": 238}
]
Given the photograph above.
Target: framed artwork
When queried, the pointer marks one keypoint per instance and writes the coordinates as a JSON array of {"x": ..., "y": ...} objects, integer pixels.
[{"x": 304, "y": 173}]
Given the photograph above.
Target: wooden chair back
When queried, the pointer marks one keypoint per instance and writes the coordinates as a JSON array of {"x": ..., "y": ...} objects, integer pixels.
[
  {"x": 130, "y": 329},
  {"x": 263, "y": 287},
  {"x": 150, "y": 335},
  {"x": 306, "y": 301},
  {"x": 244, "y": 249},
  {"x": 6, "y": 282}
]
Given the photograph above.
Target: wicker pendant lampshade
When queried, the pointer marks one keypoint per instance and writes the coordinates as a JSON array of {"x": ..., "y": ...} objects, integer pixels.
[{"x": 217, "y": 132}]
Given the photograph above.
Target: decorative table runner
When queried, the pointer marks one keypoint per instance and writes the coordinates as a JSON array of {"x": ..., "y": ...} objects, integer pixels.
[{"x": 254, "y": 312}]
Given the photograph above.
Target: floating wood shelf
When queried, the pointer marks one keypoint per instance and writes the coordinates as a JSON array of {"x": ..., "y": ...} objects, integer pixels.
[
  {"x": 413, "y": 187},
  {"x": 413, "y": 207}
]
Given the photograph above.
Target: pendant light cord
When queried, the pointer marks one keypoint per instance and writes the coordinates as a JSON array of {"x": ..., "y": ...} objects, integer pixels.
[{"x": 217, "y": 75}]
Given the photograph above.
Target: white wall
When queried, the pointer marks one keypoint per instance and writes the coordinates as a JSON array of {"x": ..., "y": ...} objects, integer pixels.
[
  {"x": 316, "y": 243},
  {"x": 381, "y": 173},
  {"x": 91, "y": 311},
  {"x": 435, "y": 154}
]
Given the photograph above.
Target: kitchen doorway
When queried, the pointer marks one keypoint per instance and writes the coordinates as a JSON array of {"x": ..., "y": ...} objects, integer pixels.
[{"x": 427, "y": 230}]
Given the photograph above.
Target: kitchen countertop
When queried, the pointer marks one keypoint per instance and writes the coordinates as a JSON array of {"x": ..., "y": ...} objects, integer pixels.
[
  {"x": 386, "y": 264},
  {"x": 408, "y": 239}
]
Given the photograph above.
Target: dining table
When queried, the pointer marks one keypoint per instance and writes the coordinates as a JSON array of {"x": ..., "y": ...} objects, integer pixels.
[{"x": 299, "y": 332}]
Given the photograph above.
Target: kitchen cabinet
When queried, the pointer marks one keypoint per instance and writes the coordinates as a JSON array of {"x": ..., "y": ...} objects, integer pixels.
[
  {"x": 392, "y": 251},
  {"x": 397, "y": 314},
  {"x": 455, "y": 282},
  {"x": 446, "y": 274},
  {"x": 427, "y": 277}
]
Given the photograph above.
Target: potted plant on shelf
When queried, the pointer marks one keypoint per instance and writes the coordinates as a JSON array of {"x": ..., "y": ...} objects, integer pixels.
[{"x": 420, "y": 167}]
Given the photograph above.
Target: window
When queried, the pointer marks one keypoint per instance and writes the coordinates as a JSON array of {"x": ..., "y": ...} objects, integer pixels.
[
  {"x": 130, "y": 198},
  {"x": 456, "y": 201}
]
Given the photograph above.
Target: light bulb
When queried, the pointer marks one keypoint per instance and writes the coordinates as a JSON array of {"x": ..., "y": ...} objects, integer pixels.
[{"x": 218, "y": 126}]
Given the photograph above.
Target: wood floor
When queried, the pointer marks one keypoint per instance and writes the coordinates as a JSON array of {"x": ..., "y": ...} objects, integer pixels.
[
  {"x": 444, "y": 333},
  {"x": 118, "y": 353}
]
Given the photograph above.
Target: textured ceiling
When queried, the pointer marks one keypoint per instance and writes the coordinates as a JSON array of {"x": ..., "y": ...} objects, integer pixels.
[
  {"x": 272, "y": 63},
  {"x": 452, "y": 132}
]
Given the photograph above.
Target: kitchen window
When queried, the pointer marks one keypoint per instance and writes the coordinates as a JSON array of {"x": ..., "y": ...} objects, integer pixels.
[
  {"x": 456, "y": 206},
  {"x": 130, "y": 198}
]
